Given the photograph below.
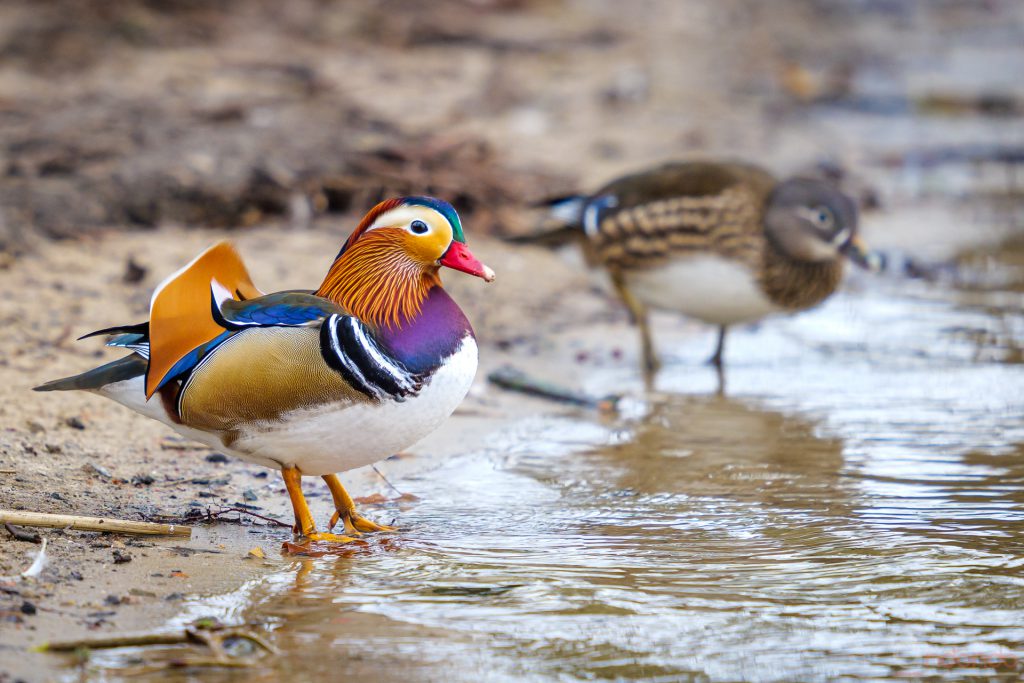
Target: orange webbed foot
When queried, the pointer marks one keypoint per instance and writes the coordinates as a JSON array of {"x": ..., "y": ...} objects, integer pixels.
[{"x": 357, "y": 525}]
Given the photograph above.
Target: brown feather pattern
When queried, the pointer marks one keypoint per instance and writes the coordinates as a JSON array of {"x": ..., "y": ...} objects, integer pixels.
[{"x": 704, "y": 207}]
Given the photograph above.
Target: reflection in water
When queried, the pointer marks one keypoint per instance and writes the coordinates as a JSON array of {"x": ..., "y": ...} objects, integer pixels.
[{"x": 710, "y": 538}]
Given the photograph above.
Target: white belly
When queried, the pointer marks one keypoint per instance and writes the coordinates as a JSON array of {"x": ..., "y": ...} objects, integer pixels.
[
  {"x": 336, "y": 439},
  {"x": 709, "y": 288},
  {"x": 333, "y": 438}
]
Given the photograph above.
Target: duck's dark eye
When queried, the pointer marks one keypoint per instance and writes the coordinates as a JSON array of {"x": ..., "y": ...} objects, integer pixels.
[
  {"x": 823, "y": 216},
  {"x": 419, "y": 227}
]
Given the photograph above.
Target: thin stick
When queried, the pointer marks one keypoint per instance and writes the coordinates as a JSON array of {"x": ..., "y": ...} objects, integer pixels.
[
  {"x": 131, "y": 640},
  {"x": 8, "y": 471},
  {"x": 381, "y": 475},
  {"x": 243, "y": 511},
  {"x": 20, "y": 534},
  {"x": 212, "y": 638},
  {"x": 119, "y": 526}
]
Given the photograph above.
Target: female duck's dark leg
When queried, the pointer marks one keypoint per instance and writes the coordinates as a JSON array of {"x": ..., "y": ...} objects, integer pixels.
[
  {"x": 638, "y": 311},
  {"x": 716, "y": 359},
  {"x": 345, "y": 510}
]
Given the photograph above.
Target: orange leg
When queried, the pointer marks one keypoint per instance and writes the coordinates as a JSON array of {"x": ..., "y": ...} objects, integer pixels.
[
  {"x": 345, "y": 510},
  {"x": 303, "y": 517}
]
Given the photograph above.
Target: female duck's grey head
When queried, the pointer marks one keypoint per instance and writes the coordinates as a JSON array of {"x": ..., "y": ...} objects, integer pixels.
[{"x": 810, "y": 220}]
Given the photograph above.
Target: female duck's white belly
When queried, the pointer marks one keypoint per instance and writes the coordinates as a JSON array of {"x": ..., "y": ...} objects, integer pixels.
[
  {"x": 335, "y": 438},
  {"x": 709, "y": 288}
]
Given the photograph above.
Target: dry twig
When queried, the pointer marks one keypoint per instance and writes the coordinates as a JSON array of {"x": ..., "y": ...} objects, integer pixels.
[
  {"x": 121, "y": 526},
  {"x": 206, "y": 632}
]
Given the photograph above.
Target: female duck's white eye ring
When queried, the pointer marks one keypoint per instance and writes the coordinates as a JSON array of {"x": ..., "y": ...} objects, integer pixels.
[
  {"x": 418, "y": 227},
  {"x": 821, "y": 216},
  {"x": 824, "y": 217}
]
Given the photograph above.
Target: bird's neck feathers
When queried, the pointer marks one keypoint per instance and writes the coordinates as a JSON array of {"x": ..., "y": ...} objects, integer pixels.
[{"x": 376, "y": 280}]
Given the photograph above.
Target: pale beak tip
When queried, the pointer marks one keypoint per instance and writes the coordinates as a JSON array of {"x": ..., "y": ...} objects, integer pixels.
[{"x": 488, "y": 274}]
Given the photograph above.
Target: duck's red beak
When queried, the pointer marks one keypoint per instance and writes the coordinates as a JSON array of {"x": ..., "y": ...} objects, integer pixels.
[{"x": 459, "y": 257}]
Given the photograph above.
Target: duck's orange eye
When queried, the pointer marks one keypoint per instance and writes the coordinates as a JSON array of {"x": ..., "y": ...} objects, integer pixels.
[{"x": 419, "y": 227}]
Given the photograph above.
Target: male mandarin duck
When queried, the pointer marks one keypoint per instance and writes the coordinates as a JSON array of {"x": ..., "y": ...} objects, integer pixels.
[
  {"x": 311, "y": 383},
  {"x": 724, "y": 243}
]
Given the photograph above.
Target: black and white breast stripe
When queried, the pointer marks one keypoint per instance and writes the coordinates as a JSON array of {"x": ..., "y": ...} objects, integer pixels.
[{"x": 352, "y": 352}]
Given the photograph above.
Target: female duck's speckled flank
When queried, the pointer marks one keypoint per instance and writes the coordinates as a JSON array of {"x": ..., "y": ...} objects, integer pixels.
[
  {"x": 724, "y": 243},
  {"x": 308, "y": 382}
]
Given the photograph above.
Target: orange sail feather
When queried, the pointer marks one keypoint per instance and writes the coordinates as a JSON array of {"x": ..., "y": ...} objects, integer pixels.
[{"x": 180, "y": 317}]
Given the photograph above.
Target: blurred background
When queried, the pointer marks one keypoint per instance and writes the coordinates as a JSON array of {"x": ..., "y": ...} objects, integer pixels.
[
  {"x": 850, "y": 507},
  {"x": 134, "y": 114}
]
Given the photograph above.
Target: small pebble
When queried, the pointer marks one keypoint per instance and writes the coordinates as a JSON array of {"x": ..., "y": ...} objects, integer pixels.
[
  {"x": 218, "y": 458},
  {"x": 216, "y": 481},
  {"x": 28, "y": 608},
  {"x": 75, "y": 422},
  {"x": 133, "y": 272},
  {"x": 93, "y": 468},
  {"x": 121, "y": 556}
]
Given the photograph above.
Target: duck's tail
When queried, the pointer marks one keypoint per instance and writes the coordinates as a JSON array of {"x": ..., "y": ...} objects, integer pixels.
[
  {"x": 561, "y": 222},
  {"x": 119, "y": 370}
]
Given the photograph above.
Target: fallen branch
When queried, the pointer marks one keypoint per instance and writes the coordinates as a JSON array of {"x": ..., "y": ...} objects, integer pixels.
[
  {"x": 207, "y": 632},
  {"x": 129, "y": 640},
  {"x": 513, "y": 379},
  {"x": 120, "y": 526},
  {"x": 211, "y": 515}
]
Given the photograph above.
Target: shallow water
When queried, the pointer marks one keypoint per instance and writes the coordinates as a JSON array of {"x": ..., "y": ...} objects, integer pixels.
[{"x": 851, "y": 508}]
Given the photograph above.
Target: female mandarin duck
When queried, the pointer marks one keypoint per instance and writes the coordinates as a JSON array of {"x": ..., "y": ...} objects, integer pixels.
[
  {"x": 723, "y": 242},
  {"x": 309, "y": 383}
]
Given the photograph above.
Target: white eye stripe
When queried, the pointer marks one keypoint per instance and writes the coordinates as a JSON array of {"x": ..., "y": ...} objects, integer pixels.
[
  {"x": 814, "y": 214},
  {"x": 405, "y": 215}
]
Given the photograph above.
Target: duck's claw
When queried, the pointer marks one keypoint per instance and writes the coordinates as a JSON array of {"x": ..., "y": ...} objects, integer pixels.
[
  {"x": 357, "y": 525},
  {"x": 319, "y": 544},
  {"x": 320, "y": 536}
]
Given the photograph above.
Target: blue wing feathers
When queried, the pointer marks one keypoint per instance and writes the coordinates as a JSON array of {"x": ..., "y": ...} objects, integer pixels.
[
  {"x": 281, "y": 314},
  {"x": 190, "y": 360},
  {"x": 288, "y": 309}
]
